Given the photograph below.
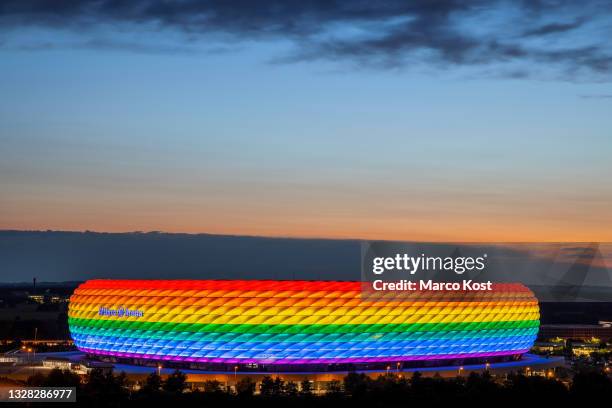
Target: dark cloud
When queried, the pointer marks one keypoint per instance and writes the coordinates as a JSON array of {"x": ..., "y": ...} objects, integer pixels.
[
  {"x": 554, "y": 28},
  {"x": 135, "y": 47},
  {"x": 390, "y": 34},
  {"x": 287, "y": 17},
  {"x": 107, "y": 44}
]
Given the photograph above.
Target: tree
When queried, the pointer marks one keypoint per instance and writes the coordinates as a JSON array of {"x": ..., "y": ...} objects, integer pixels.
[
  {"x": 36, "y": 380},
  {"x": 117, "y": 386},
  {"x": 102, "y": 387},
  {"x": 334, "y": 387},
  {"x": 589, "y": 383},
  {"x": 306, "y": 387},
  {"x": 212, "y": 386},
  {"x": 522, "y": 388},
  {"x": 245, "y": 387},
  {"x": 278, "y": 388},
  {"x": 152, "y": 384},
  {"x": 271, "y": 387},
  {"x": 266, "y": 388},
  {"x": 291, "y": 389},
  {"x": 176, "y": 382},
  {"x": 481, "y": 387},
  {"x": 356, "y": 385},
  {"x": 62, "y": 378}
]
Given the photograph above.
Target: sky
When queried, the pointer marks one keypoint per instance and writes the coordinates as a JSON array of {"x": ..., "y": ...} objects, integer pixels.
[{"x": 425, "y": 120}]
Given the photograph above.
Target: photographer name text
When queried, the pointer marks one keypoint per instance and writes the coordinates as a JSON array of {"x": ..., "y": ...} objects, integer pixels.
[{"x": 406, "y": 285}]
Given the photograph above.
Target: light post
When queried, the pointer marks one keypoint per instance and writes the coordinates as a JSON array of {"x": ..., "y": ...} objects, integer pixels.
[
  {"x": 388, "y": 368},
  {"x": 35, "y": 337},
  {"x": 236, "y": 377},
  {"x": 460, "y": 370},
  {"x": 159, "y": 367},
  {"x": 30, "y": 359},
  {"x": 398, "y": 366},
  {"x": 29, "y": 354}
]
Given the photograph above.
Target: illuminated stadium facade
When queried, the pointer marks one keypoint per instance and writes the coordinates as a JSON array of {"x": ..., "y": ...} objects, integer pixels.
[{"x": 298, "y": 325}]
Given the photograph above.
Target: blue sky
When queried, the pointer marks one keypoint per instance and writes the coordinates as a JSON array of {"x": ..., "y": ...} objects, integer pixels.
[{"x": 134, "y": 121}]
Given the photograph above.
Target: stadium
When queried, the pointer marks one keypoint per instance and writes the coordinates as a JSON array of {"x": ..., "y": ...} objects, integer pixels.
[{"x": 298, "y": 326}]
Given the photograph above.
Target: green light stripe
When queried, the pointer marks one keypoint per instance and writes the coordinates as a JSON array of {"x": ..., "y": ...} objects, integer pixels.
[{"x": 300, "y": 328}]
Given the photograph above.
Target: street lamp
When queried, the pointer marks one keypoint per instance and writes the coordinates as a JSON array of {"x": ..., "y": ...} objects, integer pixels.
[
  {"x": 159, "y": 367},
  {"x": 388, "y": 368},
  {"x": 460, "y": 369},
  {"x": 236, "y": 374},
  {"x": 398, "y": 366}
]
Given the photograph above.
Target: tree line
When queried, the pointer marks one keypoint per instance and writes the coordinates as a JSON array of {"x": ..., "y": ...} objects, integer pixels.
[{"x": 105, "y": 388}]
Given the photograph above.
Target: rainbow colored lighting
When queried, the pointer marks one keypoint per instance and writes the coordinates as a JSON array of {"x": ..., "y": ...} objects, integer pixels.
[{"x": 297, "y": 322}]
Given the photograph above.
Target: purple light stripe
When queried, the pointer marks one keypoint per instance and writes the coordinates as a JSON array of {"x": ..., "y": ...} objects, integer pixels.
[{"x": 303, "y": 361}]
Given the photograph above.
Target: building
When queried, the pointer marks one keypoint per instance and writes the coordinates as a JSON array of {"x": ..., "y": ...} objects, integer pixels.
[
  {"x": 298, "y": 326},
  {"x": 555, "y": 346},
  {"x": 586, "y": 349},
  {"x": 601, "y": 331},
  {"x": 57, "y": 362}
]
